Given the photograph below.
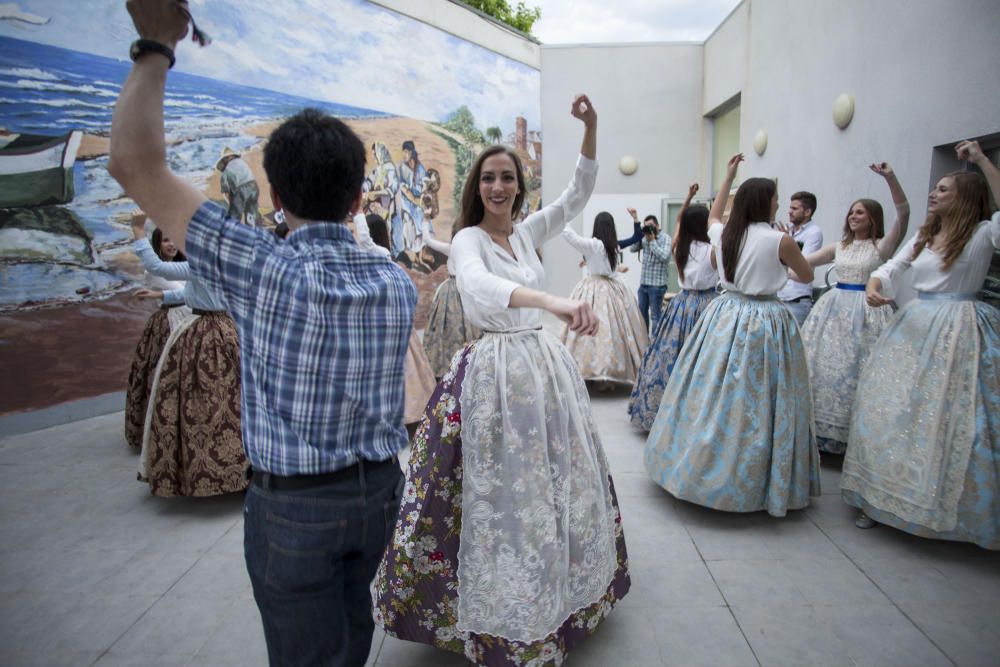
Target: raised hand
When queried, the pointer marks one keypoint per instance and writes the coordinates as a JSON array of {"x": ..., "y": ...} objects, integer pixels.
[
  {"x": 138, "y": 222},
  {"x": 692, "y": 190},
  {"x": 733, "y": 165},
  {"x": 969, "y": 150},
  {"x": 883, "y": 169},
  {"x": 584, "y": 110},
  {"x": 632, "y": 212},
  {"x": 164, "y": 21}
]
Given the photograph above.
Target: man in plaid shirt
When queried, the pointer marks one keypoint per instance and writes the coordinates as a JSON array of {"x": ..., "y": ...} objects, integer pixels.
[
  {"x": 655, "y": 262},
  {"x": 323, "y": 327}
]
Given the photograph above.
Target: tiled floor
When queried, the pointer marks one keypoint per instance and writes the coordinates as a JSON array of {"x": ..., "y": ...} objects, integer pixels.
[{"x": 95, "y": 571}]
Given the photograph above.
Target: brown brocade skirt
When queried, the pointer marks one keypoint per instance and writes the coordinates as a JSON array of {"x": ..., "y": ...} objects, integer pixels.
[
  {"x": 195, "y": 447},
  {"x": 140, "y": 374}
]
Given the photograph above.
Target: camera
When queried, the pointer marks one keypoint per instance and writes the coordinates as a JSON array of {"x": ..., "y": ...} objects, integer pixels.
[{"x": 649, "y": 228}]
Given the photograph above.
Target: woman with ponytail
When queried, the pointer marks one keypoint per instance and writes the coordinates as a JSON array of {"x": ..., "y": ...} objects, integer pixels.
[
  {"x": 612, "y": 355},
  {"x": 692, "y": 252},
  {"x": 924, "y": 454},
  {"x": 734, "y": 430}
]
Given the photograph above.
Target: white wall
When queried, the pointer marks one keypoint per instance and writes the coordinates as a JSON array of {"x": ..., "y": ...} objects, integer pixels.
[
  {"x": 466, "y": 23},
  {"x": 923, "y": 73},
  {"x": 647, "y": 98}
]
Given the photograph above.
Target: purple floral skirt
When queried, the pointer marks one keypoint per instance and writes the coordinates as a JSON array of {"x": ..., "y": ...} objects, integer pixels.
[{"x": 415, "y": 591}]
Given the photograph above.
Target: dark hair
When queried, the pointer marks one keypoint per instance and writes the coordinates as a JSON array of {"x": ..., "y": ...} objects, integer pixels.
[
  {"x": 379, "y": 230},
  {"x": 808, "y": 200},
  {"x": 875, "y": 214},
  {"x": 316, "y": 165},
  {"x": 157, "y": 240},
  {"x": 604, "y": 231},
  {"x": 408, "y": 146},
  {"x": 471, "y": 211},
  {"x": 692, "y": 226},
  {"x": 752, "y": 203},
  {"x": 651, "y": 217}
]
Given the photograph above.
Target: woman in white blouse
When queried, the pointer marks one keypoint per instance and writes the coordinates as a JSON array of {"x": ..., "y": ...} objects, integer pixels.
[
  {"x": 924, "y": 454},
  {"x": 448, "y": 329},
  {"x": 508, "y": 547},
  {"x": 734, "y": 430},
  {"x": 698, "y": 279},
  {"x": 614, "y": 353}
]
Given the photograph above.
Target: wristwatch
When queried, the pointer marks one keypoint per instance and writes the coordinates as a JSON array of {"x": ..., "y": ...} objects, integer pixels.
[{"x": 141, "y": 46}]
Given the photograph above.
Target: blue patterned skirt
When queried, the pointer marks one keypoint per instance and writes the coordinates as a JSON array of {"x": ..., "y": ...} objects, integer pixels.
[
  {"x": 925, "y": 435},
  {"x": 734, "y": 430},
  {"x": 669, "y": 334}
]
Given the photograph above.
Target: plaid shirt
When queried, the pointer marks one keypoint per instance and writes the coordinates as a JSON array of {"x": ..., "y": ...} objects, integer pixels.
[
  {"x": 655, "y": 261},
  {"x": 324, "y": 328}
]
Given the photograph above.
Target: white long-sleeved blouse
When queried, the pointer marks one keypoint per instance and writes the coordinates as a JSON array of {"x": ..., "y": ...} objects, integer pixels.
[
  {"x": 966, "y": 274},
  {"x": 593, "y": 252},
  {"x": 487, "y": 274}
]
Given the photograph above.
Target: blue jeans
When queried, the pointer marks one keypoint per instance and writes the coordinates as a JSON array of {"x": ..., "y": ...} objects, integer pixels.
[
  {"x": 650, "y": 302},
  {"x": 312, "y": 555}
]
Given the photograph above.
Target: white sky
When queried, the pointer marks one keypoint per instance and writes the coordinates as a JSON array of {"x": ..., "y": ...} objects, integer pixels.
[{"x": 588, "y": 21}]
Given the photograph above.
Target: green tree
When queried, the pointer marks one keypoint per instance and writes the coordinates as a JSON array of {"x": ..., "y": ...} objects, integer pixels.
[
  {"x": 494, "y": 134},
  {"x": 464, "y": 123},
  {"x": 520, "y": 18}
]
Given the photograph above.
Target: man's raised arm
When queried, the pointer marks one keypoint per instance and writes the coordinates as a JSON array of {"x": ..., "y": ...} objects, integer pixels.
[{"x": 138, "y": 157}]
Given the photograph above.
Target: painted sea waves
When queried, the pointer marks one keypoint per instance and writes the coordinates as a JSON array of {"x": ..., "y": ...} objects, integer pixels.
[{"x": 81, "y": 250}]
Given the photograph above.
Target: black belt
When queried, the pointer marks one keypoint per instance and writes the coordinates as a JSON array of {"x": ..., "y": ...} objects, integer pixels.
[
  {"x": 169, "y": 306},
  {"x": 797, "y": 299},
  {"x": 199, "y": 311},
  {"x": 268, "y": 481}
]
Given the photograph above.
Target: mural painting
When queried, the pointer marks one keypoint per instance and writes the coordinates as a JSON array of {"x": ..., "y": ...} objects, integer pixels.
[{"x": 69, "y": 318}]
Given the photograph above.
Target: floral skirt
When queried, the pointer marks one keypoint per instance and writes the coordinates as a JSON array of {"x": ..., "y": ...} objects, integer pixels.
[
  {"x": 672, "y": 329},
  {"x": 614, "y": 353},
  {"x": 194, "y": 446},
  {"x": 415, "y": 591},
  {"x": 419, "y": 380},
  {"x": 734, "y": 429},
  {"x": 838, "y": 335},
  {"x": 140, "y": 374},
  {"x": 447, "y": 329},
  {"x": 925, "y": 437}
]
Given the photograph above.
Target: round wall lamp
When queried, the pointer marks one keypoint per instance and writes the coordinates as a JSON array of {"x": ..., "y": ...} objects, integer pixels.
[
  {"x": 628, "y": 165},
  {"x": 760, "y": 142},
  {"x": 843, "y": 110}
]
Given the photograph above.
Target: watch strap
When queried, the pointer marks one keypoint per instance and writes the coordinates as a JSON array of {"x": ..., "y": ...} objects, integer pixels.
[{"x": 141, "y": 46}]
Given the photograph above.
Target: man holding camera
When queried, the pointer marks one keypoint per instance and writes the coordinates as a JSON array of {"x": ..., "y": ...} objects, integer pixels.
[
  {"x": 653, "y": 281},
  {"x": 807, "y": 234}
]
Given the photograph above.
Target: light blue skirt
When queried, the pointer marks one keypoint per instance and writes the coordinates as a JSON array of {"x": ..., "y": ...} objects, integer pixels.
[
  {"x": 925, "y": 435},
  {"x": 734, "y": 430},
  {"x": 669, "y": 334}
]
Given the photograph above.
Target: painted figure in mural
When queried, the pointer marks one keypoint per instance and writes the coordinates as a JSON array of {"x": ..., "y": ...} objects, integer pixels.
[
  {"x": 507, "y": 464},
  {"x": 239, "y": 188},
  {"x": 734, "y": 430},
  {"x": 842, "y": 328},
  {"x": 614, "y": 354},
  {"x": 934, "y": 375},
  {"x": 412, "y": 178},
  {"x": 381, "y": 188},
  {"x": 692, "y": 253},
  {"x": 322, "y": 395}
]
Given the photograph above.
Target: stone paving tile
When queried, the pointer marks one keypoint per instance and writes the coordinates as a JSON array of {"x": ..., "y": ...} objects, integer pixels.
[{"x": 95, "y": 570}]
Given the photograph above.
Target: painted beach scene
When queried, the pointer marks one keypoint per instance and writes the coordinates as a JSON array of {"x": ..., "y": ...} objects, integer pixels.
[{"x": 69, "y": 319}]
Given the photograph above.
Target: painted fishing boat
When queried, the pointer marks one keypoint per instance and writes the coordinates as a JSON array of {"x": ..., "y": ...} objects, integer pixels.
[{"x": 37, "y": 170}]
